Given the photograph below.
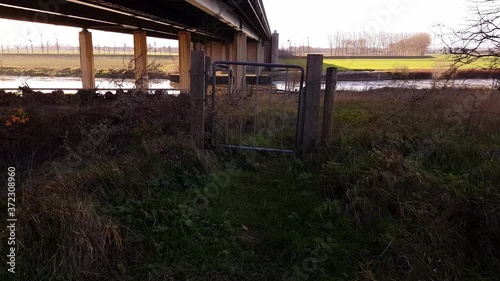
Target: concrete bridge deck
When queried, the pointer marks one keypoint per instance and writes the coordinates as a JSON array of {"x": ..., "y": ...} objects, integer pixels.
[{"x": 235, "y": 30}]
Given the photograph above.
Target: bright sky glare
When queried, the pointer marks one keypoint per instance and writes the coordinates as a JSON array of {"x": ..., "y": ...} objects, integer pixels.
[{"x": 295, "y": 20}]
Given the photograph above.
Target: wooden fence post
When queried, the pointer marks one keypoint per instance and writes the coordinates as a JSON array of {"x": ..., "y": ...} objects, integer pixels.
[
  {"x": 331, "y": 86},
  {"x": 312, "y": 103},
  {"x": 197, "y": 96}
]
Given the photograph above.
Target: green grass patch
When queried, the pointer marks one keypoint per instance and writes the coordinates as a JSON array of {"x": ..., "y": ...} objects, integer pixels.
[{"x": 389, "y": 64}]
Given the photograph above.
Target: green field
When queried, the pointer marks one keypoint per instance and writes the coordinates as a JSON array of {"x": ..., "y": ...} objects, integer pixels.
[
  {"x": 388, "y": 64},
  {"x": 170, "y": 63},
  {"x": 57, "y": 62}
]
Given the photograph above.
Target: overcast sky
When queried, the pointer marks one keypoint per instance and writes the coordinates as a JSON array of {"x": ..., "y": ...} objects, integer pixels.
[{"x": 295, "y": 20}]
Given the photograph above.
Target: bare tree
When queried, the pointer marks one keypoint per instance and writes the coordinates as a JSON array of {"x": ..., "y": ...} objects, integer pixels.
[
  {"x": 41, "y": 43},
  {"x": 331, "y": 42},
  {"x": 479, "y": 38},
  {"x": 58, "y": 46}
]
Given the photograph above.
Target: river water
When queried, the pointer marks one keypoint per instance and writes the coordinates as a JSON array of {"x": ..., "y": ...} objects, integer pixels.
[{"x": 13, "y": 82}]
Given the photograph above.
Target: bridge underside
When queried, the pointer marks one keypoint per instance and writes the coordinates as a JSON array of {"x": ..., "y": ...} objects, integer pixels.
[
  {"x": 222, "y": 28},
  {"x": 205, "y": 19}
]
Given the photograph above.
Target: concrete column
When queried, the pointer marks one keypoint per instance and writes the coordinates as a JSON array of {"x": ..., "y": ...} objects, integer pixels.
[
  {"x": 275, "y": 41},
  {"x": 197, "y": 46},
  {"x": 260, "y": 52},
  {"x": 255, "y": 53},
  {"x": 225, "y": 46},
  {"x": 207, "y": 48},
  {"x": 260, "y": 57},
  {"x": 87, "y": 59},
  {"x": 252, "y": 51},
  {"x": 240, "y": 52},
  {"x": 230, "y": 51},
  {"x": 141, "y": 59},
  {"x": 184, "y": 59},
  {"x": 267, "y": 51},
  {"x": 216, "y": 51}
]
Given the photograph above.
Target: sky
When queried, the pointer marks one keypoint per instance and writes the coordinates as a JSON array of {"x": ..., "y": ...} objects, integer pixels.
[{"x": 295, "y": 20}]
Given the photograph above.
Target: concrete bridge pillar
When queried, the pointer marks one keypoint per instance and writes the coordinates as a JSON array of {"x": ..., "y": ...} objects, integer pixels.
[
  {"x": 230, "y": 51},
  {"x": 267, "y": 51},
  {"x": 141, "y": 59},
  {"x": 184, "y": 59},
  {"x": 252, "y": 51},
  {"x": 217, "y": 51},
  {"x": 87, "y": 59},
  {"x": 240, "y": 52},
  {"x": 207, "y": 48},
  {"x": 224, "y": 51},
  {"x": 275, "y": 41},
  {"x": 255, "y": 53},
  {"x": 260, "y": 52},
  {"x": 197, "y": 47}
]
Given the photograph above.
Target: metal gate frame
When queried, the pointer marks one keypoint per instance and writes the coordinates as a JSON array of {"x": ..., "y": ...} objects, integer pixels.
[{"x": 299, "y": 127}]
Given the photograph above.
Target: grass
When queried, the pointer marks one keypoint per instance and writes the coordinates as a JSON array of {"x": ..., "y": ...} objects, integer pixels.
[
  {"x": 110, "y": 66},
  {"x": 407, "y": 190},
  {"x": 65, "y": 61},
  {"x": 388, "y": 64}
]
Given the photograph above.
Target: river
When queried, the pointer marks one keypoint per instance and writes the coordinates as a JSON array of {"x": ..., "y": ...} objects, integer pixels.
[{"x": 13, "y": 82}]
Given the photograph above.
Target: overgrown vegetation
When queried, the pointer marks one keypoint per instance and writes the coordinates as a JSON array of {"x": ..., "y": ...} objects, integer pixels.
[{"x": 408, "y": 190}]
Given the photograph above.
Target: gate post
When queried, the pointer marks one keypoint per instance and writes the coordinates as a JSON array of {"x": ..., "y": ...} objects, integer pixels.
[
  {"x": 311, "y": 101},
  {"x": 330, "y": 87},
  {"x": 197, "y": 97}
]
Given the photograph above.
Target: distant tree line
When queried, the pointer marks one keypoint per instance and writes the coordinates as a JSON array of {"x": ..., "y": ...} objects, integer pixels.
[
  {"x": 99, "y": 49},
  {"x": 378, "y": 44}
]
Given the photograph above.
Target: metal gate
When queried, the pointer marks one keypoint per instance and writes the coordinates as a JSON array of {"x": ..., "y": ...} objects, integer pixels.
[{"x": 255, "y": 106}]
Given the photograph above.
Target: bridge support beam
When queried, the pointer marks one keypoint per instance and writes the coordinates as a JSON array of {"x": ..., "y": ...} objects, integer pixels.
[
  {"x": 216, "y": 51},
  {"x": 141, "y": 59},
  {"x": 260, "y": 52},
  {"x": 240, "y": 52},
  {"x": 87, "y": 59},
  {"x": 267, "y": 51},
  {"x": 230, "y": 51},
  {"x": 275, "y": 41},
  {"x": 252, "y": 51},
  {"x": 197, "y": 46},
  {"x": 255, "y": 53},
  {"x": 225, "y": 46},
  {"x": 184, "y": 59}
]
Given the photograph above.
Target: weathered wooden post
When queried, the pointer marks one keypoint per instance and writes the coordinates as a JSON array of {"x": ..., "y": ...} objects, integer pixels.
[
  {"x": 310, "y": 134},
  {"x": 331, "y": 86},
  {"x": 197, "y": 96}
]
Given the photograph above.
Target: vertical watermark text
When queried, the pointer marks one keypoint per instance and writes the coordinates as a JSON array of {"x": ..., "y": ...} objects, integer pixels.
[{"x": 11, "y": 220}]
